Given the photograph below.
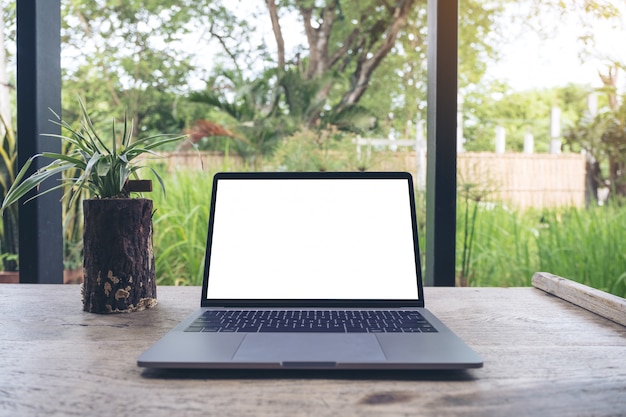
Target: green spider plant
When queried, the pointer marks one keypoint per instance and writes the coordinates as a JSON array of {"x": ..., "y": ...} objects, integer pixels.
[{"x": 102, "y": 169}]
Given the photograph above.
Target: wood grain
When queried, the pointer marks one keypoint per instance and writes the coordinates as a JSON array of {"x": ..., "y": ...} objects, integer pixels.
[
  {"x": 604, "y": 304},
  {"x": 119, "y": 271},
  {"x": 543, "y": 356}
]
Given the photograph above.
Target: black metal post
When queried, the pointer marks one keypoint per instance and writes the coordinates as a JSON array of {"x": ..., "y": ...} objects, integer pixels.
[
  {"x": 38, "y": 91},
  {"x": 441, "y": 142}
]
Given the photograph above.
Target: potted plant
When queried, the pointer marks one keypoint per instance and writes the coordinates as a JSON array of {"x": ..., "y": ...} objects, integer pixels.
[{"x": 118, "y": 259}]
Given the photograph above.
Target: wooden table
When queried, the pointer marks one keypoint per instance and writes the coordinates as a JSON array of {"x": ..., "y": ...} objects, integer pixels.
[{"x": 543, "y": 357}]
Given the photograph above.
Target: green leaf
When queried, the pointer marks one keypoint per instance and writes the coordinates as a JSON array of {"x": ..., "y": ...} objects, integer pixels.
[
  {"x": 92, "y": 164},
  {"x": 67, "y": 158},
  {"x": 114, "y": 144},
  {"x": 159, "y": 179},
  {"x": 21, "y": 188},
  {"x": 103, "y": 168},
  {"x": 127, "y": 134},
  {"x": 90, "y": 130},
  {"x": 124, "y": 173}
]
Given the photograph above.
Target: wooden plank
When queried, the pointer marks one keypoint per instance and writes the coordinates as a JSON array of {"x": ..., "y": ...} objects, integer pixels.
[
  {"x": 543, "y": 356},
  {"x": 599, "y": 302},
  {"x": 139, "y": 186}
]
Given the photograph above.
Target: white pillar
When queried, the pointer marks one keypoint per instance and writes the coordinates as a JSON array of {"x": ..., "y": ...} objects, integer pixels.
[
  {"x": 555, "y": 130},
  {"x": 529, "y": 143},
  {"x": 460, "y": 140},
  {"x": 500, "y": 139},
  {"x": 555, "y": 146}
]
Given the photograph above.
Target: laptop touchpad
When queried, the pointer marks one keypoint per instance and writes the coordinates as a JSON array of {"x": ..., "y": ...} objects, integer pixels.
[{"x": 272, "y": 347}]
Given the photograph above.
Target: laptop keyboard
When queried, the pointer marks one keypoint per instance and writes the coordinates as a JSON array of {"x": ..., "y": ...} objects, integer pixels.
[{"x": 335, "y": 321}]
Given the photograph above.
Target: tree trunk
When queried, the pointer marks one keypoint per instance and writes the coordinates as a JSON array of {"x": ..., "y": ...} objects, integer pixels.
[
  {"x": 118, "y": 255},
  {"x": 362, "y": 49},
  {"x": 278, "y": 33}
]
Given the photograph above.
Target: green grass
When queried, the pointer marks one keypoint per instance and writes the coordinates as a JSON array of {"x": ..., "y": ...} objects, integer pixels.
[
  {"x": 503, "y": 254},
  {"x": 586, "y": 245},
  {"x": 180, "y": 228}
]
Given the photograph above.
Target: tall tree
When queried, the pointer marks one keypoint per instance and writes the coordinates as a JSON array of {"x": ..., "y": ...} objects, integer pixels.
[
  {"x": 351, "y": 41},
  {"x": 131, "y": 55}
]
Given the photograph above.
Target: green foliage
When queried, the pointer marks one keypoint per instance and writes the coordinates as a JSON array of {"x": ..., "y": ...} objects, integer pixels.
[
  {"x": 136, "y": 61},
  {"x": 180, "y": 228},
  {"x": 349, "y": 40},
  {"x": 586, "y": 246},
  {"x": 103, "y": 169},
  {"x": 307, "y": 105},
  {"x": 252, "y": 108},
  {"x": 135, "y": 55},
  {"x": 265, "y": 110},
  {"x": 603, "y": 137},
  {"x": 72, "y": 216},
  {"x": 478, "y": 39},
  {"x": 8, "y": 157},
  {"x": 127, "y": 57},
  {"x": 502, "y": 252},
  {"x": 318, "y": 150},
  {"x": 9, "y": 243},
  {"x": 509, "y": 246},
  {"x": 519, "y": 113}
]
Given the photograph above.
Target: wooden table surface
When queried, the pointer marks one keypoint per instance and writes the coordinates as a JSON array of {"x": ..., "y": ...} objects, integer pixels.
[{"x": 543, "y": 357}]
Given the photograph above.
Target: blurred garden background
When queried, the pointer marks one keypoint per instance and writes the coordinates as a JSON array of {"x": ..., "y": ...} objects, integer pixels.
[{"x": 341, "y": 85}]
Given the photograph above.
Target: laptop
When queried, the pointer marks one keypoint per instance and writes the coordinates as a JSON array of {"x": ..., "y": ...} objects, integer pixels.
[{"x": 312, "y": 271}]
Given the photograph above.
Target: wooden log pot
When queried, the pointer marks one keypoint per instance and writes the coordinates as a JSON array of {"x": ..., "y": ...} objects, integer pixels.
[{"x": 118, "y": 255}]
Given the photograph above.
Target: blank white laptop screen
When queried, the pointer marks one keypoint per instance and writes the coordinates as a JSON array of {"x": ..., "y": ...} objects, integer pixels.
[{"x": 312, "y": 239}]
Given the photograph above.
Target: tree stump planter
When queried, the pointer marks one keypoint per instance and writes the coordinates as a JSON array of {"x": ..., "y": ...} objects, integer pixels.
[{"x": 118, "y": 255}]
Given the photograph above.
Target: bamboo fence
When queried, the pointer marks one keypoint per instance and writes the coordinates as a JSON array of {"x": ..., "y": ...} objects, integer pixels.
[{"x": 517, "y": 179}]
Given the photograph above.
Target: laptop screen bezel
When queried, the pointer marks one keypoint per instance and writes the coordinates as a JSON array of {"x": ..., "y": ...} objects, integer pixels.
[{"x": 347, "y": 303}]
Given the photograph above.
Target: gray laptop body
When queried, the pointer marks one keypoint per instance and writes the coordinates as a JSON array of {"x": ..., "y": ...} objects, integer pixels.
[{"x": 289, "y": 253}]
